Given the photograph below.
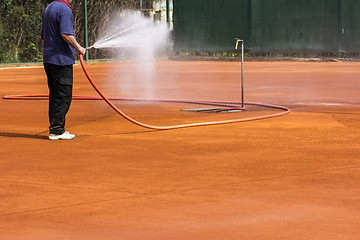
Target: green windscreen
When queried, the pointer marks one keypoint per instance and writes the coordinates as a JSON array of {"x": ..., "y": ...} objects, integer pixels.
[
  {"x": 296, "y": 25},
  {"x": 350, "y": 26},
  {"x": 268, "y": 25},
  {"x": 210, "y": 24}
]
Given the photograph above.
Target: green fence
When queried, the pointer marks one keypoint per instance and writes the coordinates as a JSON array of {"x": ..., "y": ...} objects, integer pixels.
[
  {"x": 209, "y": 24},
  {"x": 268, "y": 26},
  {"x": 350, "y": 26}
]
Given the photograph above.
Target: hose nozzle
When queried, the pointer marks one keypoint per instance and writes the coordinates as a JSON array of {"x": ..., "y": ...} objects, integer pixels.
[{"x": 88, "y": 48}]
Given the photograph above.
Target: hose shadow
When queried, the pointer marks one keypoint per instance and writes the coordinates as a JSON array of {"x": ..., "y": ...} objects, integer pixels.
[{"x": 22, "y": 135}]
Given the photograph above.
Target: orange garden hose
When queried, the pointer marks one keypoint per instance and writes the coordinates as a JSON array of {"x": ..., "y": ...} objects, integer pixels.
[{"x": 227, "y": 104}]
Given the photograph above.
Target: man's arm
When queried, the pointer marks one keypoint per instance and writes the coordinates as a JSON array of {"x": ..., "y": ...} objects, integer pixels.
[{"x": 69, "y": 39}]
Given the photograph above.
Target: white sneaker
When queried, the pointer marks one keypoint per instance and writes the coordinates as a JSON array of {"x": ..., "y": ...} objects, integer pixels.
[{"x": 64, "y": 136}]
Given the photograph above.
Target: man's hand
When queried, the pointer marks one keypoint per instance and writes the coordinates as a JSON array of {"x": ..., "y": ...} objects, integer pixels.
[{"x": 82, "y": 50}]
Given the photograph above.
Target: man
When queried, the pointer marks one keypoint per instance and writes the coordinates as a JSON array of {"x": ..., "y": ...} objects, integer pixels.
[{"x": 59, "y": 44}]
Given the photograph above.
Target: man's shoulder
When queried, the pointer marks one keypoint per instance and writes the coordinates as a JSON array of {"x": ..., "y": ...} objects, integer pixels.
[{"x": 60, "y": 6}]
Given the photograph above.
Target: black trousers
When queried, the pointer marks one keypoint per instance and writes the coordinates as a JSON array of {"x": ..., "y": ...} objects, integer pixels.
[{"x": 60, "y": 83}]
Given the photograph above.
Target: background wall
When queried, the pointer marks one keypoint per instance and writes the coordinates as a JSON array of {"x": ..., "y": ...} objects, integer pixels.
[{"x": 271, "y": 26}]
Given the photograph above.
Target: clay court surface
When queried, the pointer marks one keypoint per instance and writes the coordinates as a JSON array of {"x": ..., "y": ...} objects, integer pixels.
[{"x": 292, "y": 177}]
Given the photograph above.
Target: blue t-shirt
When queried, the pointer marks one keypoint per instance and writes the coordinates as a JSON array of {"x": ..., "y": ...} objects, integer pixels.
[{"x": 57, "y": 19}]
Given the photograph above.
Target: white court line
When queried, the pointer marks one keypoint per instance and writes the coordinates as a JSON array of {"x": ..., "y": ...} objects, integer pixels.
[
  {"x": 320, "y": 103},
  {"x": 23, "y": 67}
]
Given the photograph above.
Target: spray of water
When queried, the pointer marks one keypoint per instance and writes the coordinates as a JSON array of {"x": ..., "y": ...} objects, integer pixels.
[
  {"x": 134, "y": 37},
  {"x": 132, "y": 30}
]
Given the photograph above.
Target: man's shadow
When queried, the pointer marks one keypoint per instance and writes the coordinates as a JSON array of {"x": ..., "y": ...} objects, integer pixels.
[{"x": 22, "y": 135}]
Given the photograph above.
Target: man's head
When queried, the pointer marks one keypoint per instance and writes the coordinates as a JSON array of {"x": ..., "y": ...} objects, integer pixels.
[{"x": 68, "y": 1}]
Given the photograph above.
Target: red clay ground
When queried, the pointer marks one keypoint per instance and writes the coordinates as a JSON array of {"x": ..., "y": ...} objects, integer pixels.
[{"x": 292, "y": 177}]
